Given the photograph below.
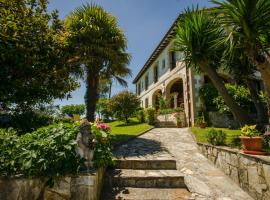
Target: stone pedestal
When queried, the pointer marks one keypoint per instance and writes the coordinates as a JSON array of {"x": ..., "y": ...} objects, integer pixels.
[{"x": 80, "y": 187}]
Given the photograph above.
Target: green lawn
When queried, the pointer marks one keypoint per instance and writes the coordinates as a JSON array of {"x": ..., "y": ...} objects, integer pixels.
[
  {"x": 232, "y": 139},
  {"x": 122, "y": 132}
]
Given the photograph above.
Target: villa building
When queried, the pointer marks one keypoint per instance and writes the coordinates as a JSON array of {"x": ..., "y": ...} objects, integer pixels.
[{"x": 166, "y": 74}]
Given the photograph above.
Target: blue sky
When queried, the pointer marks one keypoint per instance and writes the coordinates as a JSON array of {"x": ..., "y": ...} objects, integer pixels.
[{"x": 145, "y": 22}]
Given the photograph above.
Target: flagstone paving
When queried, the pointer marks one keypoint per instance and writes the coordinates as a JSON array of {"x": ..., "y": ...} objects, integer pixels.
[{"x": 150, "y": 164}]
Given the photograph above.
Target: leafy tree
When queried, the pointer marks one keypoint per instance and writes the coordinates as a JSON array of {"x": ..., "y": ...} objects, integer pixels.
[
  {"x": 33, "y": 57},
  {"x": 124, "y": 105},
  {"x": 249, "y": 23},
  {"x": 198, "y": 35},
  {"x": 103, "y": 109},
  {"x": 72, "y": 109},
  {"x": 99, "y": 45}
]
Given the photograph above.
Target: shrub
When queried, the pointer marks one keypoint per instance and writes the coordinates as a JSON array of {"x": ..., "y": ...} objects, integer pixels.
[
  {"x": 150, "y": 116},
  {"x": 216, "y": 137},
  {"x": 49, "y": 151},
  {"x": 170, "y": 111},
  {"x": 207, "y": 93},
  {"x": 241, "y": 96},
  {"x": 102, "y": 108},
  {"x": 63, "y": 120},
  {"x": 234, "y": 141},
  {"x": 26, "y": 122},
  {"x": 163, "y": 103},
  {"x": 124, "y": 105},
  {"x": 140, "y": 115},
  {"x": 72, "y": 109}
]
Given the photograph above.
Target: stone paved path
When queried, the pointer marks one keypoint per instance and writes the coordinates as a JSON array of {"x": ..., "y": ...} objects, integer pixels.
[
  {"x": 205, "y": 181},
  {"x": 201, "y": 176}
]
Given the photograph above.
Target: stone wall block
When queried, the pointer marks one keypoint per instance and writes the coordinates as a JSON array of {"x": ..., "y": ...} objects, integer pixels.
[
  {"x": 266, "y": 172},
  {"x": 60, "y": 189},
  {"x": 234, "y": 160},
  {"x": 252, "y": 173},
  {"x": 80, "y": 187}
]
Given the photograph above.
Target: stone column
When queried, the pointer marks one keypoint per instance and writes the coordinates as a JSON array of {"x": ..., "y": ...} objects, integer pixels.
[{"x": 174, "y": 95}]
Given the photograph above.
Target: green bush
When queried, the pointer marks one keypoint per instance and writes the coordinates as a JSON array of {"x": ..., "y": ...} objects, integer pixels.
[
  {"x": 150, "y": 116},
  {"x": 216, "y": 137},
  {"x": 170, "y": 111},
  {"x": 140, "y": 114},
  {"x": 234, "y": 141},
  {"x": 63, "y": 120},
  {"x": 73, "y": 109},
  {"x": 49, "y": 151},
  {"x": 240, "y": 94},
  {"x": 26, "y": 122},
  {"x": 207, "y": 93},
  {"x": 124, "y": 105}
]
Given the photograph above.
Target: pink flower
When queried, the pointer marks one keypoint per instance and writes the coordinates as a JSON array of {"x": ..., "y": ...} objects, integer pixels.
[{"x": 103, "y": 126}]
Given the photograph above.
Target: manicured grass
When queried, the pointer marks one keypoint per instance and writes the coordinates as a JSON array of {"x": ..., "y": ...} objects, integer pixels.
[
  {"x": 122, "y": 132},
  {"x": 232, "y": 138}
]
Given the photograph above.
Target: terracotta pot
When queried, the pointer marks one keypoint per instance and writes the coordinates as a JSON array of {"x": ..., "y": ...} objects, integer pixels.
[
  {"x": 203, "y": 125},
  {"x": 179, "y": 125},
  {"x": 252, "y": 143}
]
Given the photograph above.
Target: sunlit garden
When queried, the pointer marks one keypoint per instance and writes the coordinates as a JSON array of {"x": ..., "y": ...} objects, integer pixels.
[{"x": 45, "y": 58}]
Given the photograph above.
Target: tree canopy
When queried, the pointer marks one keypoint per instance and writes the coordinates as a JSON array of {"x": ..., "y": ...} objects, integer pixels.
[
  {"x": 33, "y": 57},
  {"x": 100, "y": 46}
]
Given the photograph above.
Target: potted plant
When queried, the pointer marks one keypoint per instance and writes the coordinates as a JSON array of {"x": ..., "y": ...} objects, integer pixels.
[
  {"x": 201, "y": 122},
  {"x": 178, "y": 120},
  {"x": 251, "y": 140}
]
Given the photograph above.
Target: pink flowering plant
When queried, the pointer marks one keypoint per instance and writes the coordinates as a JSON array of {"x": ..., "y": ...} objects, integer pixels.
[{"x": 103, "y": 153}]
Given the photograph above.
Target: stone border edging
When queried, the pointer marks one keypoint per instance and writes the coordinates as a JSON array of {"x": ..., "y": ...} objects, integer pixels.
[
  {"x": 132, "y": 138},
  {"x": 250, "y": 172},
  {"x": 257, "y": 158}
]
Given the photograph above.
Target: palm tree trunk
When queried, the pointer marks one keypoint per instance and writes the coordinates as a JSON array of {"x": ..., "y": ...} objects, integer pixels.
[
  {"x": 260, "y": 108},
  {"x": 91, "y": 95},
  {"x": 263, "y": 65},
  {"x": 238, "y": 113},
  {"x": 110, "y": 89}
]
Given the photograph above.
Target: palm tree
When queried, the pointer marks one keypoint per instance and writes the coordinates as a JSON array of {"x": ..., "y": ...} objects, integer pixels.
[
  {"x": 100, "y": 47},
  {"x": 249, "y": 21},
  {"x": 198, "y": 35}
]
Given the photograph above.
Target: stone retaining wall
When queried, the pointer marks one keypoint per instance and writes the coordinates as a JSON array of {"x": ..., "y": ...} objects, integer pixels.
[
  {"x": 251, "y": 173},
  {"x": 80, "y": 187},
  {"x": 221, "y": 120}
]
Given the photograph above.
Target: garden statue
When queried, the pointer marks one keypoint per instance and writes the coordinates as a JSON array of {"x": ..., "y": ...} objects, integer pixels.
[{"x": 86, "y": 144}]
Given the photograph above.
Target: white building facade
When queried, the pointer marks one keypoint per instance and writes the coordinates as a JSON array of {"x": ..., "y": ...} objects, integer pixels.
[{"x": 165, "y": 74}]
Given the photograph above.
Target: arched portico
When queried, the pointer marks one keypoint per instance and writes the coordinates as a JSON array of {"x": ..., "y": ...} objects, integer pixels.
[
  {"x": 155, "y": 98},
  {"x": 175, "y": 93}
]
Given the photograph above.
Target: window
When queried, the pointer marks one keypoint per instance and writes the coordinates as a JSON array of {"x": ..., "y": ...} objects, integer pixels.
[
  {"x": 163, "y": 64},
  {"x": 156, "y": 74},
  {"x": 139, "y": 89},
  {"x": 146, "y": 80},
  {"x": 173, "y": 60}
]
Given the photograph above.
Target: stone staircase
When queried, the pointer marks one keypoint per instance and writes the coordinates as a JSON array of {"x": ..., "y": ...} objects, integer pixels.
[
  {"x": 166, "y": 124},
  {"x": 131, "y": 177},
  {"x": 144, "y": 171}
]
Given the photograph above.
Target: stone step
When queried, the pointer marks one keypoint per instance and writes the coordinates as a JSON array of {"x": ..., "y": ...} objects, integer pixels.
[
  {"x": 145, "y": 178},
  {"x": 166, "y": 124},
  {"x": 130, "y": 193},
  {"x": 145, "y": 164}
]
